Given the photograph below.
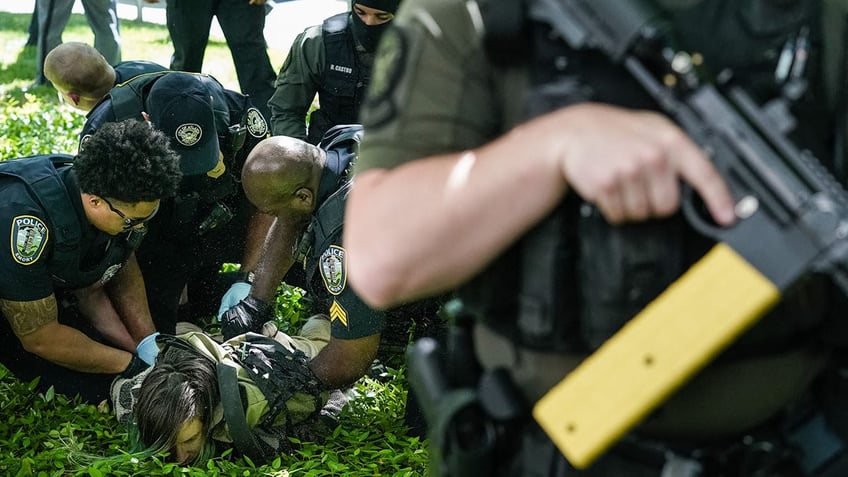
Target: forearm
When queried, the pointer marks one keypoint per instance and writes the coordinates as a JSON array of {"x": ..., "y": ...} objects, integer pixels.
[
  {"x": 257, "y": 232},
  {"x": 68, "y": 347},
  {"x": 129, "y": 297},
  {"x": 95, "y": 305},
  {"x": 342, "y": 362},
  {"x": 277, "y": 257},
  {"x": 459, "y": 211}
]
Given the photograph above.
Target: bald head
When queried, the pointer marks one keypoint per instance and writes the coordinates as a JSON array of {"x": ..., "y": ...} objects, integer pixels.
[
  {"x": 282, "y": 174},
  {"x": 79, "y": 72}
]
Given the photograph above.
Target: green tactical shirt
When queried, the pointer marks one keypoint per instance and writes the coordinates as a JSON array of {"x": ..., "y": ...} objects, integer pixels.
[
  {"x": 297, "y": 84},
  {"x": 433, "y": 91}
]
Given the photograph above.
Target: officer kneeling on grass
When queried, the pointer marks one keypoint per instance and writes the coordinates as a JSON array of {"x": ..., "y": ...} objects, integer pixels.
[
  {"x": 210, "y": 221},
  {"x": 305, "y": 187},
  {"x": 72, "y": 294}
]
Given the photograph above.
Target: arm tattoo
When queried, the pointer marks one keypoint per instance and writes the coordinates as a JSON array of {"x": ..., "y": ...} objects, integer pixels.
[{"x": 27, "y": 316}]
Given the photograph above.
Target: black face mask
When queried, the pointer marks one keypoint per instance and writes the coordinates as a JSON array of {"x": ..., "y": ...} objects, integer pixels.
[{"x": 367, "y": 35}]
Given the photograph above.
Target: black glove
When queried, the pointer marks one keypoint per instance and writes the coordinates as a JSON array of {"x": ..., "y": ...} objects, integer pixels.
[
  {"x": 281, "y": 374},
  {"x": 136, "y": 366},
  {"x": 248, "y": 315}
]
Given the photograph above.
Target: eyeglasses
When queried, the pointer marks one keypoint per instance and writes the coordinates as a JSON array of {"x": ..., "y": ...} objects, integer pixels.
[{"x": 130, "y": 222}]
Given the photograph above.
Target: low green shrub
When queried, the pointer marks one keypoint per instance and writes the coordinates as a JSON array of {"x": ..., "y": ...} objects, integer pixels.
[{"x": 48, "y": 434}]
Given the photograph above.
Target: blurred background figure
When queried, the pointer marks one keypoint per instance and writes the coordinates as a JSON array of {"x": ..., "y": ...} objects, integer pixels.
[
  {"x": 242, "y": 22},
  {"x": 52, "y": 16}
]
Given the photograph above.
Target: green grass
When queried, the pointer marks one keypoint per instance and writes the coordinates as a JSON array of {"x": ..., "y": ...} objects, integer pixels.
[{"x": 46, "y": 434}]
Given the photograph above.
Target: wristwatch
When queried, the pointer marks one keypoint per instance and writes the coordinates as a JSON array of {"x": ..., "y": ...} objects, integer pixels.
[{"x": 246, "y": 277}]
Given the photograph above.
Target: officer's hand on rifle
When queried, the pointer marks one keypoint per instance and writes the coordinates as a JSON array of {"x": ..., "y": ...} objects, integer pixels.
[
  {"x": 644, "y": 156},
  {"x": 248, "y": 315}
]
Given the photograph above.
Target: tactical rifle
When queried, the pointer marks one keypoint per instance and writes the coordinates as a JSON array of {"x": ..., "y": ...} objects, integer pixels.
[{"x": 792, "y": 220}]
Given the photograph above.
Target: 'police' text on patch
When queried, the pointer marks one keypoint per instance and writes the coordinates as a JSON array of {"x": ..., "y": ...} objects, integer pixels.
[
  {"x": 29, "y": 236},
  {"x": 333, "y": 271}
]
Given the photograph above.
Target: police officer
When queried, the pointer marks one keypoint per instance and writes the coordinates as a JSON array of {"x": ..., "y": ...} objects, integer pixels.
[
  {"x": 333, "y": 60},
  {"x": 82, "y": 76},
  {"x": 305, "y": 187},
  {"x": 210, "y": 222},
  {"x": 456, "y": 166},
  {"x": 71, "y": 295}
]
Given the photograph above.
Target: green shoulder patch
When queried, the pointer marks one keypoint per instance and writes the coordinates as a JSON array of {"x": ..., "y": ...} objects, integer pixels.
[
  {"x": 29, "y": 236},
  {"x": 386, "y": 72}
]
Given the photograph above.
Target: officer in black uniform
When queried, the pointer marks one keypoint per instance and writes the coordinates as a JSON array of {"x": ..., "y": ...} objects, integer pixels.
[
  {"x": 333, "y": 60},
  {"x": 484, "y": 120},
  {"x": 71, "y": 294},
  {"x": 305, "y": 187},
  {"x": 210, "y": 221}
]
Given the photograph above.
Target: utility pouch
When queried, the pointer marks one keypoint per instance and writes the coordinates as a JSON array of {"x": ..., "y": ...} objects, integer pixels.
[
  {"x": 218, "y": 215},
  {"x": 623, "y": 268},
  {"x": 236, "y": 137},
  {"x": 468, "y": 426}
]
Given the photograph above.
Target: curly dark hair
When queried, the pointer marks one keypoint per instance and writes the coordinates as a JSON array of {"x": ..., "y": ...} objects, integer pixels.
[{"x": 128, "y": 161}]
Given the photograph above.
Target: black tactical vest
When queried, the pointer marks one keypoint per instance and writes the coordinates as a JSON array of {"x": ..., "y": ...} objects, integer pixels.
[
  {"x": 343, "y": 81},
  {"x": 327, "y": 222},
  {"x": 41, "y": 176},
  {"x": 574, "y": 280}
]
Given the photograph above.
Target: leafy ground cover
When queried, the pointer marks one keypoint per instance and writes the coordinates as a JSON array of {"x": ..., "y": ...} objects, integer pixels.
[{"x": 48, "y": 434}]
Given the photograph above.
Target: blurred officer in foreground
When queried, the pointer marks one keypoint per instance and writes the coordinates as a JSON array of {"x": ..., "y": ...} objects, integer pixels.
[
  {"x": 477, "y": 130},
  {"x": 333, "y": 60},
  {"x": 72, "y": 296},
  {"x": 82, "y": 76},
  {"x": 210, "y": 221}
]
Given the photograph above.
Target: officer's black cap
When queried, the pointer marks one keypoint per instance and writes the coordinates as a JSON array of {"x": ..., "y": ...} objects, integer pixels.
[{"x": 180, "y": 106}]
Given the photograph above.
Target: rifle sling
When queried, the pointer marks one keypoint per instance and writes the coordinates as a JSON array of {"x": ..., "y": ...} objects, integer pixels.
[{"x": 243, "y": 437}]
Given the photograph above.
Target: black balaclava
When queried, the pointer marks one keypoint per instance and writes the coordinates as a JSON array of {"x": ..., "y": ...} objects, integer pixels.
[{"x": 369, "y": 35}]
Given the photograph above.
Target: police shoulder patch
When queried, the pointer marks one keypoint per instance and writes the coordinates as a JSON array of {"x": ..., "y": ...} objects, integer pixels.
[
  {"x": 188, "y": 134},
  {"x": 386, "y": 72},
  {"x": 256, "y": 124},
  {"x": 333, "y": 270},
  {"x": 28, "y": 239}
]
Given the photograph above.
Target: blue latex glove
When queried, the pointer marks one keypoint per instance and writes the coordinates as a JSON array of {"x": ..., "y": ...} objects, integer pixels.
[
  {"x": 237, "y": 292},
  {"x": 147, "y": 349}
]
